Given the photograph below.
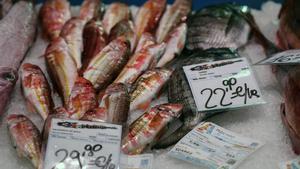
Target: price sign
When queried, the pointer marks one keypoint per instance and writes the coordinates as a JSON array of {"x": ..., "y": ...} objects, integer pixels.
[
  {"x": 289, "y": 57},
  {"x": 213, "y": 147},
  {"x": 83, "y": 145},
  {"x": 223, "y": 84}
]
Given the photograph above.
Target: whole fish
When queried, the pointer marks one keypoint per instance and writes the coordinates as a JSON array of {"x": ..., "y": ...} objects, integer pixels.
[
  {"x": 145, "y": 41},
  {"x": 179, "y": 92},
  {"x": 25, "y": 137},
  {"x": 219, "y": 26},
  {"x": 82, "y": 99},
  {"x": 150, "y": 125},
  {"x": 94, "y": 40},
  {"x": 116, "y": 101},
  {"x": 115, "y": 13},
  {"x": 147, "y": 87},
  {"x": 61, "y": 67},
  {"x": 96, "y": 115},
  {"x": 54, "y": 14},
  {"x": 72, "y": 33},
  {"x": 106, "y": 66},
  {"x": 139, "y": 63},
  {"x": 148, "y": 16},
  {"x": 124, "y": 28},
  {"x": 89, "y": 9},
  {"x": 289, "y": 33},
  {"x": 175, "y": 44},
  {"x": 172, "y": 17},
  {"x": 36, "y": 90}
]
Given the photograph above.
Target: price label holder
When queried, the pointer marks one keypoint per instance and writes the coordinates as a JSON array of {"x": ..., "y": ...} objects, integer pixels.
[
  {"x": 223, "y": 85},
  {"x": 294, "y": 164},
  {"x": 83, "y": 145},
  {"x": 213, "y": 147},
  {"x": 144, "y": 161},
  {"x": 289, "y": 57}
]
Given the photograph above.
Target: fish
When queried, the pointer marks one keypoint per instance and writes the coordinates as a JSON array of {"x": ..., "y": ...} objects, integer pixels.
[
  {"x": 18, "y": 31},
  {"x": 82, "y": 99},
  {"x": 116, "y": 101},
  {"x": 115, "y": 13},
  {"x": 179, "y": 91},
  {"x": 94, "y": 40},
  {"x": 175, "y": 45},
  {"x": 72, "y": 33},
  {"x": 149, "y": 127},
  {"x": 173, "y": 16},
  {"x": 105, "y": 67},
  {"x": 147, "y": 86},
  {"x": 89, "y": 9},
  {"x": 145, "y": 41},
  {"x": 36, "y": 90},
  {"x": 148, "y": 16},
  {"x": 218, "y": 26},
  {"x": 288, "y": 35},
  {"x": 61, "y": 68},
  {"x": 124, "y": 28},
  {"x": 53, "y": 15},
  {"x": 96, "y": 115},
  {"x": 25, "y": 137},
  {"x": 139, "y": 63}
]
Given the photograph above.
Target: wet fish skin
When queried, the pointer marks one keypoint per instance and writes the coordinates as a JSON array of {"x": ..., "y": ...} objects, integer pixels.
[
  {"x": 148, "y": 16},
  {"x": 61, "y": 67},
  {"x": 54, "y": 14},
  {"x": 36, "y": 90},
  {"x": 115, "y": 13},
  {"x": 175, "y": 44},
  {"x": 90, "y": 9},
  {"x": 147, "y": 87},
  {"x": 72, "y": 33},
  {"x": 173, "y": 16},
  {"x": 106, "y": 66},
  {"x": 140, "y": 62},
  {"x": 94, "y": 40},
  {"x": 96, "y": 115},
  {"x": 25, "y": 137},
  {"x": 145, "y": 41},
  {"x": 82, "y": 99},
  {"x": 124, "y": 28},
  {"x": 153, "y": 123}
]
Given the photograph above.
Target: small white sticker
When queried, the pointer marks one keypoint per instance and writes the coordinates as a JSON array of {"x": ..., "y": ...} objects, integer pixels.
[
  {"x": 210, "y": 146},
  {"x": 144, "y": 161},
  {"x": 289, "y": 57},
  {"x": 294, "y": 164},
  {"x": 223, "y": 84},
  {"x": 83, "y": 145}
]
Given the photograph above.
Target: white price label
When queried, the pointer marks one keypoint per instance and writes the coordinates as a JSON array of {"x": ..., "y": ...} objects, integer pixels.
[
  {"x": 83, "y": 145},
  {"x": 294, "y": 164},
  {"x": 283, "y": 58},
  {"x": 223, "y": 84},
  {"x": 213, "y": 147},
  {"x": 144, "y": 161}
]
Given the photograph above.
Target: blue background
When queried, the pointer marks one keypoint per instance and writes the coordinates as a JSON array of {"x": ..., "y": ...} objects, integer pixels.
[{"x": 196, "y": 3}]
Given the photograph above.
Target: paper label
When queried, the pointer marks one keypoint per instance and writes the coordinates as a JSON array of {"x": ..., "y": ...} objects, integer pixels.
[
  {"x": 83, "y": 145},
  {"x": 212, "y": 147},
  {"x": 144, "y": 161},
  {"x": 294, "y": 164},
  {"x": 223, "y": 84},
  {"x": 287, "y": 57}
]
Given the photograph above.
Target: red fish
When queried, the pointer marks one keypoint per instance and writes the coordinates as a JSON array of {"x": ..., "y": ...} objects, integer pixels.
[{"x": 89, "y": 9}]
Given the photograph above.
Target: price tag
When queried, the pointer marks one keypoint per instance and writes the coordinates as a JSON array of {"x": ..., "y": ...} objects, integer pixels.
[
  {"x": 288, "y": 57},
  {"x": 213, "y": 147},
  {"x": 144, "y": 161},
  {"x": 294, "y": 164},
  {"x": 223, "y": 84},
  {"x": 83, "y": 145}
]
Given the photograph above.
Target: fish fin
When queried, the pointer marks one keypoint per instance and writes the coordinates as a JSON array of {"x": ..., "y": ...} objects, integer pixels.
[{"x": 144, "y": 106}]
